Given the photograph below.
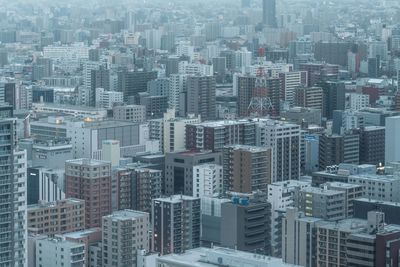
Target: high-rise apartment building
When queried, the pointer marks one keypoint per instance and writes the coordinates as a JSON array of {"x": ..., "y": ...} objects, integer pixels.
[
  {"x": 247, "y": 168},
  {"x": 173, "y": 131},
  {"x": 201, "y": 96},
  {"x": 90, "y": 180},
  {"x": 175, "y": 224},
  {"x": 146, "y": 185},
  {"x": 284, "y": 139},
  {"x": 392, "y": 141},
  {"x": 207, "y": 180},
  {"x": 124, "y": 233},
  {"x": 13, "y": 186},
  {"x": 245, "y": 86}
]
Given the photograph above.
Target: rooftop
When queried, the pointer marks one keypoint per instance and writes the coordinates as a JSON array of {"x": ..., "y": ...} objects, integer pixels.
[
  {"x": 217, "y": 256},
  {"x": 250, "y": 148},
  {"x": 342, "y": 185},
  {"x": 86, "y": 161},
  {"x": 320, "y": 191},
  {"x": 175, "y": 198},
  {"x": 347, "y": 225},
  {"x": 126, "y": 215},
  {"x": 71, "y": 201},
  {"x": 83, "y": 233}
]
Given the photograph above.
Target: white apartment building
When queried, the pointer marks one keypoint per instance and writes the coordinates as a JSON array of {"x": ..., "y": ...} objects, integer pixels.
[
  {"x": 58, "y": 252},
  {"x": 175, "y": 131},
  {"x": 358, "y": 101},
  {"x": 207, "y": 180}
]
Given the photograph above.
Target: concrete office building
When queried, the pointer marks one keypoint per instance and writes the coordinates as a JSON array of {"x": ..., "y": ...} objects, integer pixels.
[
  {"x": 59, "y": 252},
  {"x": 58, "y": 217},
  {"x": 175, "y": 224},
  {"x": 179, "y": 169},
  {"x": 372, "y": 145},
  {"x": 366, "y": 249},
  {"x": 379, "y": 187},
  {"x": 246, "y": 225},
  {"x": 201, "y": 96},
  {"x": 133, "y": 113},
  {"x": 171, "y": 66},
  {"x": 158, "y": 87},
  {"x": 392, "y": 142},
  {"x": 269, "y": 13},
  {"x": 362, "y": 206},
  {"x": 247, "y": 168},
  {"x": 216, "y": 135},
  {"x": 211, "y": 220},
  {"x": 45, "y": 185},
  {"x": 301, "y": 115},
  {"x": 69, "y": 110},
  {"x": 107, "y": 99},
  {"x": 322, "y": 203},
  {"x": 336, "y": 149},
  {"x": 51, "y": 154},
  {"x": 156, "y": 105},
  {"x": 333, "y": 98},
  {"x": 207, "y": 180},
  {"x": 297, "y": 226},
  {"x": 132, "y": 83},
  {"x": 87, "y": 136},
  {"x": 90, "y": 180},
  {"x": 282, "y": 195},
  {"x": 309, "y": 97},
  {"x": 318, "y": 72},
  {"x": 284, "y": 139},
  {"x": 340, "y": 173},
  {"x": 124, "y": 233},
  {"x": 332, "y": 52}
]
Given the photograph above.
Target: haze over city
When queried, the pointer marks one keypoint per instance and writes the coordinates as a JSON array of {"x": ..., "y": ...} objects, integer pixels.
[{"x": 224, "y": 133}]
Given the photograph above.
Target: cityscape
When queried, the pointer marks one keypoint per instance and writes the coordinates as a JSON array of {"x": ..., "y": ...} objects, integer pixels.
[{"x": 198, "y": 133}]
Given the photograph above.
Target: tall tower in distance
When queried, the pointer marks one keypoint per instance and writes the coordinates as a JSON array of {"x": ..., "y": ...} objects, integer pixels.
[{"x": 269, "y": 13}]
